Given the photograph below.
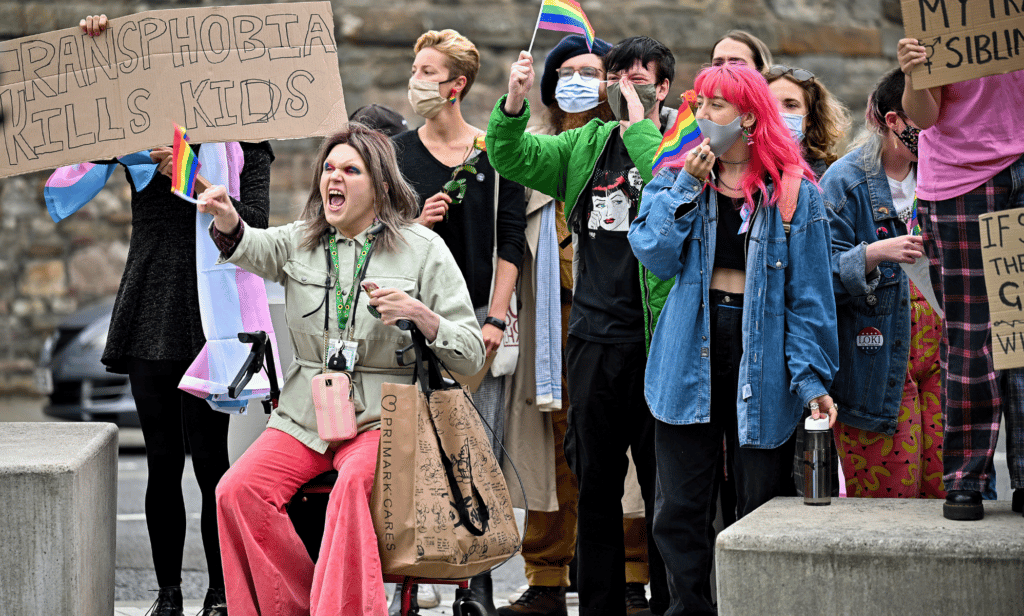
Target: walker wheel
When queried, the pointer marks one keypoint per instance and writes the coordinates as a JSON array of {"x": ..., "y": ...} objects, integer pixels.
[{"x": 467, "y": 607}]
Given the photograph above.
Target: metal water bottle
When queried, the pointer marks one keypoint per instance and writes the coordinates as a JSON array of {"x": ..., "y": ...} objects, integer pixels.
[{"x": 817, "y": 462}]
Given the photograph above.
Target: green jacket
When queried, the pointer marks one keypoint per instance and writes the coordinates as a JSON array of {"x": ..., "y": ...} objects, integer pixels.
[{"x": 543, "y": 162}]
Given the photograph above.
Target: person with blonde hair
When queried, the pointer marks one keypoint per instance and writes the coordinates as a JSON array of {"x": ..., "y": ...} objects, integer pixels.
[
  {"x": 465, "y": 202},
  {"x": 817, "y": 120},
  {"x": 358, "y": 225}
]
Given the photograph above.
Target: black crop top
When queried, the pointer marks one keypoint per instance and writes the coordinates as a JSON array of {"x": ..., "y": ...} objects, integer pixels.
[{"x": 729, "y": 244}]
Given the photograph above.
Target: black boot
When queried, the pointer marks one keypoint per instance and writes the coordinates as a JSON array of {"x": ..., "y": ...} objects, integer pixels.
[
  {"x": 168, "y": 602},
  {"x": 216, "y": 604},
  {"x": 963, "y": 505},
  {"x": 1018, "y": 501},
  {"x": 481, "y": 590},
  {"x": 395, "y": 609}
]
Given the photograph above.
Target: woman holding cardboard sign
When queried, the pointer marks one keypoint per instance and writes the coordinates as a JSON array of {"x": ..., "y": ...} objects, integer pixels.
[
  {"x": 357, "y": 228},
  {"x": 971, "y": 163}
]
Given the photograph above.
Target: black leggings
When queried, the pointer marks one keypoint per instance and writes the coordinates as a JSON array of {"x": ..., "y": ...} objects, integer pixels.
[{"x": 168, "y": 416}]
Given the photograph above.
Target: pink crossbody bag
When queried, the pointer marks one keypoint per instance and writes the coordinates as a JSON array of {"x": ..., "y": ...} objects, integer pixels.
[{"x": 335, "y": 411}]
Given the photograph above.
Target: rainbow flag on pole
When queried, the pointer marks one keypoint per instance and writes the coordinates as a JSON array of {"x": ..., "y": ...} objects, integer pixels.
[
  {"x": 185, "y": 166},
  {"x": 566, "y": 16},
  {"x": 678, "y": 140}
]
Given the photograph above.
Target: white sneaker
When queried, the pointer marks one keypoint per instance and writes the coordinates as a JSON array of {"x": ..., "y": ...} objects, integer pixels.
[{"x": 427, "y": 596}]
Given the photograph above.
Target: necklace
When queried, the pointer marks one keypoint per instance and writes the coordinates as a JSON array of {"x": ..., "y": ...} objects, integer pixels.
[
  {"x": 732, "y": 188},
  {"x": 734, "y": 162}
]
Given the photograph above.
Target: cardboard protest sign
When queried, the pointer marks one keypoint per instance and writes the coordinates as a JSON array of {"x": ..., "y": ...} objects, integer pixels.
[
  {"x": 240, "y": 73},
  {"x": 1002, "y": 248},
  {"x": 966, "y": 39}
]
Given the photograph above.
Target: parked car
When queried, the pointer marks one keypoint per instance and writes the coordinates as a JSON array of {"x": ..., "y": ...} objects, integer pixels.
[{"x": 71, "y": 374}]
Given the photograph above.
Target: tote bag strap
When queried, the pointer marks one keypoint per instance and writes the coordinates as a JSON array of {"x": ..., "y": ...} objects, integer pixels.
[{"x": 458, "y": 500}]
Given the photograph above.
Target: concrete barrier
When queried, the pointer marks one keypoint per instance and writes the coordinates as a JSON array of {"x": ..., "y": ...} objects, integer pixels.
[
  {"x": 873, "y": 557},
  {"x": 58, "y": 509}
]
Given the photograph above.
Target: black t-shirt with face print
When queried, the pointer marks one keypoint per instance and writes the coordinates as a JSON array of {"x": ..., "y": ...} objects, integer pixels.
[{"x": 606, "y": 298}]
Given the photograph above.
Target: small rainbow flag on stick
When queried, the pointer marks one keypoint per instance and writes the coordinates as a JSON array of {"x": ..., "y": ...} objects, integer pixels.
[
  {"x": 678, "y": 140},
  {"x": 564, "y": 16},
  {"x": 185, "y": 166}
]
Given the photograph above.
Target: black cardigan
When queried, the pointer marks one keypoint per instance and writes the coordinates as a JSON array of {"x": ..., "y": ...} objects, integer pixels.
[
  {"x": 469, "y": 230},
  {"x": 156, "y": 314}
]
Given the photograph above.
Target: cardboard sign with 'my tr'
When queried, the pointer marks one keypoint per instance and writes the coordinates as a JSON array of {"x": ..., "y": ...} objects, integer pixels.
[
  {"x": 240, "y": 73},
  {"x": 965, "y": 39}
]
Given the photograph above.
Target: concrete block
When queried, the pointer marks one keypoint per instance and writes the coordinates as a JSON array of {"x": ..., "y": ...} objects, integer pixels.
[
  {"x": 872, "y": 557},
  {"x": 59, "y": 510}
]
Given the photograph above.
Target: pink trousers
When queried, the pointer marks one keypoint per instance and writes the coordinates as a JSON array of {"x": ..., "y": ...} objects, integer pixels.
[{"x": 267, "y": 570}]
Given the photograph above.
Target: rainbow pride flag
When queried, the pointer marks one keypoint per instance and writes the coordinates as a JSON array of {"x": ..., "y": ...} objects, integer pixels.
[
  {"x": 185, "y": 166},
  {"x": 566, "y": 16},
  {"x": 678, "y": 140}
]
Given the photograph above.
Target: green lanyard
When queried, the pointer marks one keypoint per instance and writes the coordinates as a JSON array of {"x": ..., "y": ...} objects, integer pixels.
[{"x": 345, "y": 305}]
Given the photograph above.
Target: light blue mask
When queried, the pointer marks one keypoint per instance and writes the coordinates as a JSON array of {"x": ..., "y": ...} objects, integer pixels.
[
  {"x": 796, "y": 126},
  {"x": 577, "y": 94}
]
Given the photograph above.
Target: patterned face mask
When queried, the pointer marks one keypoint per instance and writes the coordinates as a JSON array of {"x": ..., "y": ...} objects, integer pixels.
[{"x": 909, "y": 138}]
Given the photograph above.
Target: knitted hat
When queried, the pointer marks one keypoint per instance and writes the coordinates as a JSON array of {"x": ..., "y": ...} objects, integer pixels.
[
  {"x": 379, "y": 117},
  {"x": 569, "y": 47}
]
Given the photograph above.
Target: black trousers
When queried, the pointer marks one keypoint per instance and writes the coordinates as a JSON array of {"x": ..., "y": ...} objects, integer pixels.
[
  {"x": 608, "y": 415},
  {"x": 690, "y": 459},
  {"x": 168, "y": 416}
]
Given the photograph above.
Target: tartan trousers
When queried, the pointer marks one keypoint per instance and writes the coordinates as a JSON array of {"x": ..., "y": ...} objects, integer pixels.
[{"x": 974, "y": 394}]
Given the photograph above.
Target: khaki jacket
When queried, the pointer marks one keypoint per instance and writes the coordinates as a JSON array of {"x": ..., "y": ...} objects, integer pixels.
[{"x": 422, "y": 266}]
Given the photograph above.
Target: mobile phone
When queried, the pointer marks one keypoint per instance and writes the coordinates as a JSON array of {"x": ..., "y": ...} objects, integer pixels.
[{"x": 371, "y": 286}]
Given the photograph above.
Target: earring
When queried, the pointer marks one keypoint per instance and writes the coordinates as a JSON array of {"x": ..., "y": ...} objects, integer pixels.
[
  {"x": 749, "y": 135},
  {"x": 452, "y": 97}
]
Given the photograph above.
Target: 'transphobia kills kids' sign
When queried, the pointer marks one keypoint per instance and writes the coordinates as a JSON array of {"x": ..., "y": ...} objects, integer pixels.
[
  {"x": 241, "y": 73},
  {"x": 965, "y": 38},
  {"x": 1002, "y": 248}
]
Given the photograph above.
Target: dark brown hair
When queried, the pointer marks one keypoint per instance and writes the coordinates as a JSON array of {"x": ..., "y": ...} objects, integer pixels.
[{"x": 394, "y": 202}]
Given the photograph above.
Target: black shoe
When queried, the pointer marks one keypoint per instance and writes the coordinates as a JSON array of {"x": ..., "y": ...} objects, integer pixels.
[
  {"x": 481, "y": 591},
  {"x": 395, "y": 609},
  {"x": 1018, "y": 501},
  {"x": 537, "y": 601},
  {"x": 636, "y": 599},
  {"x": 963, "y": 505},
  {"x": 168, "y": 602},
  {"x": 216, "y": 604}
]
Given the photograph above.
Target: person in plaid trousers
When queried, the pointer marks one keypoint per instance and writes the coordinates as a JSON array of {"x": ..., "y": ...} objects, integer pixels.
[{"x": 971, "y": 162}]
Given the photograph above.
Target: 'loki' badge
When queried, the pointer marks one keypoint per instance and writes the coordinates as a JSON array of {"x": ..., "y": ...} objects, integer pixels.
[{"x": 869, "y": 340}]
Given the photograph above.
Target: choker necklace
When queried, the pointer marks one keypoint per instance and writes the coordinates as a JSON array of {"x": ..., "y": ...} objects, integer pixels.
[
  {"x": 732, "y": 188},
  {"x": 734, "y": 162}
]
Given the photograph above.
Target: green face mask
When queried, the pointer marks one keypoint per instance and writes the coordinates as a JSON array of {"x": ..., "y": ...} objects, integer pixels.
[{"x": 620, "y": 109}]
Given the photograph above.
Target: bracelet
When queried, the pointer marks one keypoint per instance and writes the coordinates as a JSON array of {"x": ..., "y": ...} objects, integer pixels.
[{"x": 495, "y": 322}]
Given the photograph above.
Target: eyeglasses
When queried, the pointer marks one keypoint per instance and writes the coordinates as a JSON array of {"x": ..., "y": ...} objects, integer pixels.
[
  {"x": 587, "y": 72},
  {"x": 798, "y": 73}
]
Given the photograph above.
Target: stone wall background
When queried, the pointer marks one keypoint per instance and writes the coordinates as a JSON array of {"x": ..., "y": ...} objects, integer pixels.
[{"x": 49, "y": 270}]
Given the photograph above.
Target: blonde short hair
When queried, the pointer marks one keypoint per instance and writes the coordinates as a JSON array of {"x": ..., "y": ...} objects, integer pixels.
[{"x": 463, "y": 58}]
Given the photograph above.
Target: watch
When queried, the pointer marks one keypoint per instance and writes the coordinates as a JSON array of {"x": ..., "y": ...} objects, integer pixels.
[{"x": 495, "y": 322}]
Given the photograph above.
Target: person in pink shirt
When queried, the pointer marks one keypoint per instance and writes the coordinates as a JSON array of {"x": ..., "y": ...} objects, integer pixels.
[{"x": 970, "y": 162}]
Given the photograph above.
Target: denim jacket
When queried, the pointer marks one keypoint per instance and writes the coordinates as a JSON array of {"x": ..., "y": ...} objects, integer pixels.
[
  {"x": 869, "y": 385},
  {"x": 790, "y": 349}
]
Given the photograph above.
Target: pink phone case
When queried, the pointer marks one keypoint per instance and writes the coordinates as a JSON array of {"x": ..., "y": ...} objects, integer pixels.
[{"x": 335, "y": 411}]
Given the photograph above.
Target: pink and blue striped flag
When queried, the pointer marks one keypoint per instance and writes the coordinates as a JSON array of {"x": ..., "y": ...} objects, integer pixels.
[
  {"x": 678, "y": 140},
  {"x": 566, "y": 16}
]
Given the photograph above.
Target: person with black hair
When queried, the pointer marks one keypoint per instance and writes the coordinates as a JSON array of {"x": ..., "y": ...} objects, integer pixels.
[{"x": 598, "y": 171}]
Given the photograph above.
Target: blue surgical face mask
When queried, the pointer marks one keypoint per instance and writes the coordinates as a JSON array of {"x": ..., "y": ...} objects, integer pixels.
[
  {"x": 577, "y": 94},
  {"x": 796, "y": 126}
]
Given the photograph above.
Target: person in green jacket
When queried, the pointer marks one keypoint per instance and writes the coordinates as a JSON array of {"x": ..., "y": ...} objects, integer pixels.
[{"x": 599, "y": 171}]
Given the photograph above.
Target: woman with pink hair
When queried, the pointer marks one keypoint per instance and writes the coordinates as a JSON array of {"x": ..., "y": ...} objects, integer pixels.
[{"x": 747, "y": 337}]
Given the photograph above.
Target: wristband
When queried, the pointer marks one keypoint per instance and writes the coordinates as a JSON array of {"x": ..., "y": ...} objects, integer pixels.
[{"x": 495, "y": 322}]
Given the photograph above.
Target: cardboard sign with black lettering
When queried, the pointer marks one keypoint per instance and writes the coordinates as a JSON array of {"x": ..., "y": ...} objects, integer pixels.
[
  {"x": 1002, "y": 248},
  {"x": 965, "y": 39},
  {"x": 238, "y": 73}
]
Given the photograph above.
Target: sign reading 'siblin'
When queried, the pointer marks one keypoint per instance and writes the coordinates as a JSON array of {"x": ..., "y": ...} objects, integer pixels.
[{"x": 242, "y": 73}]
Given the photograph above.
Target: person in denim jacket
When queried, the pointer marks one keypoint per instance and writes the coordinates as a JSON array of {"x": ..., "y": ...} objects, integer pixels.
[
  {"x": 747, "y": 336},
  {"x": 887, "y": 388}
]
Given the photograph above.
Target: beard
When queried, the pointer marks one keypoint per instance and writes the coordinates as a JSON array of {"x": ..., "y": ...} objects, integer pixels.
[{"x": 562, "y": 121}]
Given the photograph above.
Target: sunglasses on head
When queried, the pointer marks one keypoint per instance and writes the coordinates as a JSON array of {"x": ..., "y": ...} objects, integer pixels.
[{"x": 798, "y": 73}]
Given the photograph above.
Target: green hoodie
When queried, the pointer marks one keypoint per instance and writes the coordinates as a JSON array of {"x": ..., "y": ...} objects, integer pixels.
[{"x": 543, "y": 163}]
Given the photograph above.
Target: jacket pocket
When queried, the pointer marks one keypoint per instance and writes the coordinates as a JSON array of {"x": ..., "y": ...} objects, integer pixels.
[
  {"x": 776, "y": 262},
  {"x": 881, "y": 301},
  {"x": 306, "y": 289}
]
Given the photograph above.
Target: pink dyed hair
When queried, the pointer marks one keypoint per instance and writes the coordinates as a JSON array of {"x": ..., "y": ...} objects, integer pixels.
[{"x": 773, "y": 149}]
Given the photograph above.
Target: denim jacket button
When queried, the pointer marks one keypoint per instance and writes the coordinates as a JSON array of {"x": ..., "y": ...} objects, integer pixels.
[
  {"x": 778, "y": 264},
  {"x": 871, "y": 300},
  {"x": 892, "y": 382}
]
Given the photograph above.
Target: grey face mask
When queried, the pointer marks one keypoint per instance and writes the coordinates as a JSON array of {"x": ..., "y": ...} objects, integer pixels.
[
  {"x": 722, "y": 135},
  {"x": 620, "y": 109}
]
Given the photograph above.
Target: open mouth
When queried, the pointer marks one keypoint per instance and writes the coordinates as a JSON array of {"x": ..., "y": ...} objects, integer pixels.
[{"x": 335, "y": 199}]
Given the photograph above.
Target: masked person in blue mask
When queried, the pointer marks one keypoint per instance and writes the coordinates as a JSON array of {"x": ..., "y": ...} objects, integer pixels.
[{"x": 817, "y": 120}]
